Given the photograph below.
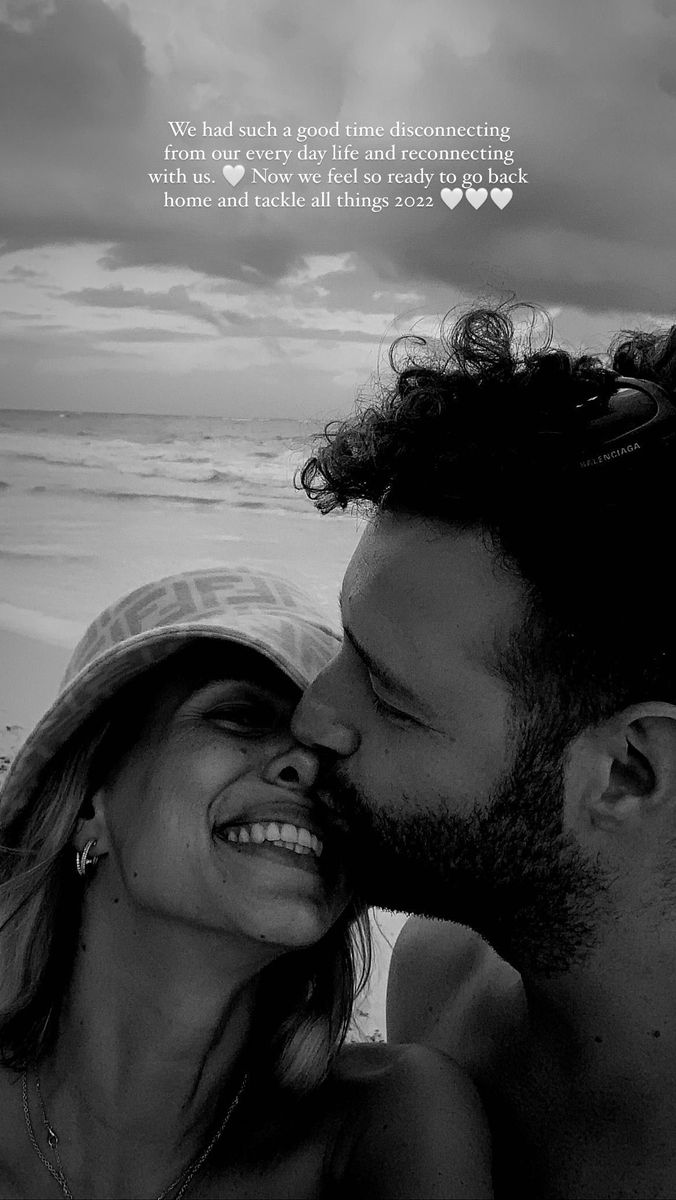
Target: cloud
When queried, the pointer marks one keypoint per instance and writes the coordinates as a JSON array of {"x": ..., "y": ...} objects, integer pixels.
[
  {"x": 20, "y": 272},
  {"x": 74, "y": 92},
  {"x": 68, "y": 66},
  {"x": 176, "y": 299},
  {"x": 318, "y": 266},
  {"x": 150, "y": 335},
  {"x": 22, "y": 16},
  {"x": 90, "y": 88}
]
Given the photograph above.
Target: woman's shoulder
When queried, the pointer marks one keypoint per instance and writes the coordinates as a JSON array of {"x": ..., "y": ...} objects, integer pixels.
[{"x": 414, "y": 1124}]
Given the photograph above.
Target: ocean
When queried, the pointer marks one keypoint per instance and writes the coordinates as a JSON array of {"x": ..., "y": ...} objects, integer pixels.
[{"x": 94, "y": 504}]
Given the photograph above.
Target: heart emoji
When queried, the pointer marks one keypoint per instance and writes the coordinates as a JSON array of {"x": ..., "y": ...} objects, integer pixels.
[
  {"x": 476, "y": 196},
  {"x": 233, "y": 174},
  {"x": 501, "y": 196},
  {"x": 451, "y": 196}
]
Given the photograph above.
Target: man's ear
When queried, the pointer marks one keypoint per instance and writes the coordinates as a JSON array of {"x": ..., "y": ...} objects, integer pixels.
[
  {"x": 92, "y": 824},
  {"x": 623, "y": 771}
]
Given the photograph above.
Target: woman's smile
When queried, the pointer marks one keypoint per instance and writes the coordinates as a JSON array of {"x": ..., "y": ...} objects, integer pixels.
[
  {"x": 290, "y": 837},
  {"x": 273, "y": 843},
  {"x": 288, "y": 833}
]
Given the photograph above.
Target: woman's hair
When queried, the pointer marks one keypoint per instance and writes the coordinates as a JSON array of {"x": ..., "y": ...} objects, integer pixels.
[{"x": 307, "y": 995}]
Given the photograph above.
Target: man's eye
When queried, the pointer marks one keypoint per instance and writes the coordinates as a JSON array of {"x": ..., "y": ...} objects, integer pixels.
[{"x": 388, "y": 710}]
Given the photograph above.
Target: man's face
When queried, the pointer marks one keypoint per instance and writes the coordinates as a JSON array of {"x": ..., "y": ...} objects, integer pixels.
[{"x": 455, "y": 799}]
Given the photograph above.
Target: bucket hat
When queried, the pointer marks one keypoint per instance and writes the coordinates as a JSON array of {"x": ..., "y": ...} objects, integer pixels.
[{"x": 247, "y": 607}]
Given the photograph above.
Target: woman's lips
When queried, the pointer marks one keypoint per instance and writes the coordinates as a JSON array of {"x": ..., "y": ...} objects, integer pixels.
[
  {"x": 291, "y": 830},
  {"x": 275, "y": 853},
  {"x": 296, "y": 839},
  {"x": 275, "y": 807}
]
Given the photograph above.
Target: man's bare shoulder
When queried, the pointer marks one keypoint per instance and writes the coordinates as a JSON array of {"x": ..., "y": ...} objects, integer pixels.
[
  {"x": 386, "y": 1068},
  {"x": 448, "y": 989},
  {"x": 405, "y": 1078},
  {"x": 415, "y": 1125},
  {"x": 431, "y": 962}
]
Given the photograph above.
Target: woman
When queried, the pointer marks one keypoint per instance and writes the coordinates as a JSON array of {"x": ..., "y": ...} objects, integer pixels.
[{"x": 180, "y": 945}]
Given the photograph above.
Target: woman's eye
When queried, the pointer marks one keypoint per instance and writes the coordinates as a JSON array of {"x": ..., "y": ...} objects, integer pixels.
[{"x": 254, "y": 718}]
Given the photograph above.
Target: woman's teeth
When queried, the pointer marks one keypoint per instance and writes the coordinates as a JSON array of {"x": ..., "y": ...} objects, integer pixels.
[{"x": 290, "y": 837}]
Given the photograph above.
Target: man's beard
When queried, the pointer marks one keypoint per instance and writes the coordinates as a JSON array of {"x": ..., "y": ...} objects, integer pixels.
[{"x": 505, "y": 869}]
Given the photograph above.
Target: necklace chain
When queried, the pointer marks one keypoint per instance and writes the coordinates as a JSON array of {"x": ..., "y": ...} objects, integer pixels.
[
  {"x": 182, "y": 1182},
  {"x": 51, "y": 1137}
]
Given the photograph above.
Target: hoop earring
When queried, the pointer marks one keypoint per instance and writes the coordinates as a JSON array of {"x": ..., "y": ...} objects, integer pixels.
[{"x": 83, "y": 860}]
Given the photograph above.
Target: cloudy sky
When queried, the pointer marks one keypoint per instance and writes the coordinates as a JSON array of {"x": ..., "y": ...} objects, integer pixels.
[{"x": 110, "y": 301}]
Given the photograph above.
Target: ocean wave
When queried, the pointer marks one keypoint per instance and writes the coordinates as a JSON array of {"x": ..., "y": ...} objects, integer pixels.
[
  {"x": 155, "y": 467},
  {"x": 151, "y": 462},
  {"x": 183, "y": 473},
  {"x": 272, "y": 510},
  {"x": 113, "y": 494},
  {"x": 56, "y": 459},
  {"x": 180, "y": 499},
  {"x": 185, "y": 470}
]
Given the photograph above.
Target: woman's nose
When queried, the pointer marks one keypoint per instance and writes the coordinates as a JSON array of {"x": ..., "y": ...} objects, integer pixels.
[{"x": 295, "y": 768}]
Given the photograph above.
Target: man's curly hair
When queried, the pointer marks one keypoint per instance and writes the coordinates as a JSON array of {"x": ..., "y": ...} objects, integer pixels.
[{"x": 482, "y": 429}]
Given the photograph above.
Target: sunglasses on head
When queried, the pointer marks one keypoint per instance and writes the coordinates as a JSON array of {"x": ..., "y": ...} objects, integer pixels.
[{"x": 638, "y": 417}]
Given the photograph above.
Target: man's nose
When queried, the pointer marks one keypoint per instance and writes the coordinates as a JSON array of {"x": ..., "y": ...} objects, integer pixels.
[{"x": 316, "y": 724}]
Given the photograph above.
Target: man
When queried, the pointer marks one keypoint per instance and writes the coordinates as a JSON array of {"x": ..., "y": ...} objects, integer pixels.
[{"x": 500, "y": 728}]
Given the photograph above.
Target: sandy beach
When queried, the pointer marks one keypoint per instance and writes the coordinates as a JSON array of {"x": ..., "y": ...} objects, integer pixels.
[{"x": 31, "y": 672}]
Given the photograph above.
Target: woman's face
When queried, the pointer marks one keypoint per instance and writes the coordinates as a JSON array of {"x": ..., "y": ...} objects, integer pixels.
[{"x": 209, "y": 818}]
